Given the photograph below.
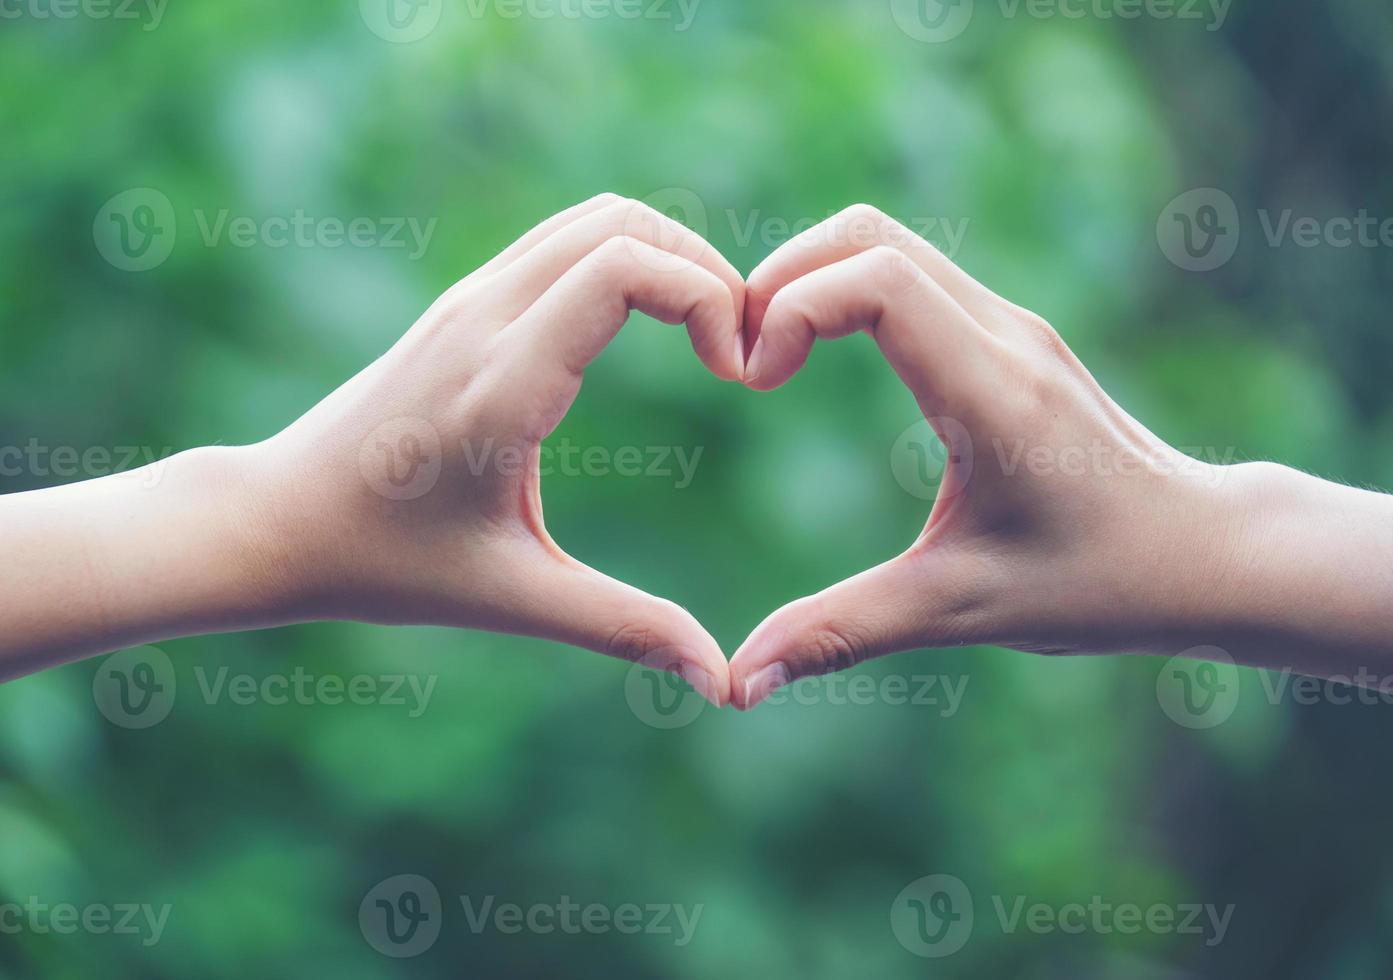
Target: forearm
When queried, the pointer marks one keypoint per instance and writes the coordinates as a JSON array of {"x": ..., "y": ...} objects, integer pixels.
[
  {"x": 1307, "y": 583},
  {"x": 175, "y": 549}
]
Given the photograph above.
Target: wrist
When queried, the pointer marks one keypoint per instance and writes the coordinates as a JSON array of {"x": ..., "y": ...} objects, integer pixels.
[
  {"x": 259, "y": 536},
  {"x": 1299, "y": 572}
]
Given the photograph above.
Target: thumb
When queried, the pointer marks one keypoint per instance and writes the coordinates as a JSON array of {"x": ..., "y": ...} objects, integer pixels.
[
  {"x": 908, "y": 602},
  {"x": 573, "y": 603}
]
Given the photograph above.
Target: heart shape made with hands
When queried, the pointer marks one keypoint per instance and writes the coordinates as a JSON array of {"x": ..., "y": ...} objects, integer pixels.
[
  {"x": 1039, "y": 555},
  {"x": 503, "y": 353},
  {"x": 859, "y": 271}
]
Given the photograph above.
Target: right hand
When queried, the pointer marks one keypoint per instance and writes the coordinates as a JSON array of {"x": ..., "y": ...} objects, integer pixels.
[{"x": 1062, "y": 525}]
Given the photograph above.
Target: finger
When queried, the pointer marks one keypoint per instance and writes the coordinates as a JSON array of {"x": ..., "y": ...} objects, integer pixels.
[
  {"x": 858, "y": 229},
  {"x": 941, "y": 353},
  {"x": 544, "y": 231},
  {"x": 541, "y": 267},
  {"x": 575, "y": 320},
  {"x": 572, "y": 603},
  {"x": 515, "y": 251},
  {"x": 909, "y": 602}
]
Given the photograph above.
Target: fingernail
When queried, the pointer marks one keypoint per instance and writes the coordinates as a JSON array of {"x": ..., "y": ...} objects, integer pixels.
[
  {"x": 739, "y": 355},
  {"x": 753, "y": 365},
  {"x": 764, "y": 682},
  {"x": 701, "y": 681}
]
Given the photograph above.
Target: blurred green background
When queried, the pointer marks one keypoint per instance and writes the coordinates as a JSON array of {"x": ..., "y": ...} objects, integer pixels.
[{"x": 1055, "y": 143}]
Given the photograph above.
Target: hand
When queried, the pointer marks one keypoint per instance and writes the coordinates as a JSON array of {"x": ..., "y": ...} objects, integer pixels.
[
  {"x": 409, "y": 495},
  {"x": 1061, "y": 525},
  {"x": 417, "y": 486}
]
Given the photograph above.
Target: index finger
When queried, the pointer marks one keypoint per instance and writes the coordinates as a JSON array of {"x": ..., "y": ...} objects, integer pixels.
[{"x": 857, "y": 229}]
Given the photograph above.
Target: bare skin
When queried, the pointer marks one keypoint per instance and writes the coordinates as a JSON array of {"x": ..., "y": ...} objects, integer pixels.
[
  {"x": 1062, "y": 525},
  {"x": 411, "y": 494}
]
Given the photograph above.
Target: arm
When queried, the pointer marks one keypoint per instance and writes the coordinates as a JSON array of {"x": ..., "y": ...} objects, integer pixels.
[
  {"x": 177, "y": 548},
  {"x": 409, "y": 495},
  {"x": 1061, "y": 525}
]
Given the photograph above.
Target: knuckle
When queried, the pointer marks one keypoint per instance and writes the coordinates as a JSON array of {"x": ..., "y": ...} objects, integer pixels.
[
  {"x": 632, "y": 641},
  {"x": 891, "y": 270},
  {"x": 1040, "y": 394},
  {"x": 789, "y": 308},
  {"x": 866, "y": 226},
  {"x": 622, "y": 214},
  {"x": 831, "y": 649},
  {"x": 616, "y": 252},
  {"x": 831, "y": 645},
  {"x": 650, "y": 643},
  {"x": 637, "y": 219},
  {"x": 606, "y": 199},
  {"x": 864, "y": 213},
  {"x": 1038, "y": 329}
]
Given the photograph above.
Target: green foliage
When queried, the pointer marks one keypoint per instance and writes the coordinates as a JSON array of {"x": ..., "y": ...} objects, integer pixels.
[{"x": 1058, "y": 142}]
